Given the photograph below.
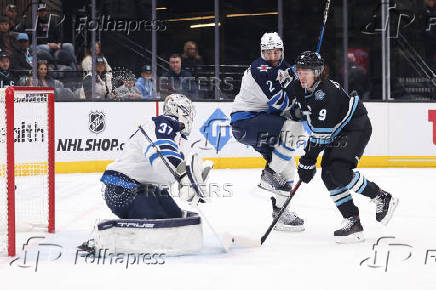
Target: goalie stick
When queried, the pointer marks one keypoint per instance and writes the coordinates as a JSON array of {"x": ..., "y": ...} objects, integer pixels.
[{"x": 227, "y": 239}]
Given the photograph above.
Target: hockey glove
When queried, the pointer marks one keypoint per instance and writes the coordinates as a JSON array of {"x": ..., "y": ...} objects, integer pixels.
[
  {"x": 193, "y": 185},
  {"x": 306, "y": 169},
  {"x": 187, "y": 192},
  {"x": 284, "y": 78},
  {"x": 294, "y": 113}
]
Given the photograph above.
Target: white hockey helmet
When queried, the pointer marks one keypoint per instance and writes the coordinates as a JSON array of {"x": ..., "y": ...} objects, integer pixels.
[
  {"x": 179, "y": 106},
  {"x": 271, "y": 40}
]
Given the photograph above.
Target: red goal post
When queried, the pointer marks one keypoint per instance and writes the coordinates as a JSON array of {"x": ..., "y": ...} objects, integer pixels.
[{"x": 27, "y": 163}]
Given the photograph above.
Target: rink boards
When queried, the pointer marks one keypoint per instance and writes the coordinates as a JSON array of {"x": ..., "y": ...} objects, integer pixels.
[{"x": 89, "y": 135}]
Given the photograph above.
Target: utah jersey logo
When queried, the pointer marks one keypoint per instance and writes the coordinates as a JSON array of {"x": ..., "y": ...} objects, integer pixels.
[
  {"x": 319, "y": 95},
  {"x": 97, "y": 122},
  {"x": 263, "y": 67}
]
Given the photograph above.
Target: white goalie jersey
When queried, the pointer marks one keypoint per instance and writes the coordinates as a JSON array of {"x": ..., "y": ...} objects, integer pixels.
[{"x": 140, "y": 160}]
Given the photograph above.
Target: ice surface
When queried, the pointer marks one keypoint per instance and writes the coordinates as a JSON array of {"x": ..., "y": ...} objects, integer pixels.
[{"x": 305, "y": 260}]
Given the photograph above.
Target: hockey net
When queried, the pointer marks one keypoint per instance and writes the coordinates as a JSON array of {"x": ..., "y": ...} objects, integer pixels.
[{"x": 26, "y": 163}]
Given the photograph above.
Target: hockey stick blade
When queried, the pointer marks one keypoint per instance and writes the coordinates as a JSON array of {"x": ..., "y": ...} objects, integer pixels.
[
  {"x": 245, "y": 242},
  {"x": 285, "y": 205}
]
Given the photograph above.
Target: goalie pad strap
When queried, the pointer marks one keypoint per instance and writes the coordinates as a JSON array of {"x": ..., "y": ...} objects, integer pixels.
[
  {"x": 152, "y": 223},
  {"x": 174, "y": 236},
  {"x": 181, "y": 169}
]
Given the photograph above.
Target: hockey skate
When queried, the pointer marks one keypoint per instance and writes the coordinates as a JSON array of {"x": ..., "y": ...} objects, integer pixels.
[
  {"x": 351, "y": 231},
  {"x": 385, "y": 206},
  {"x": 274, "y": 182},
  {"x": 88, "y": 247},
  {"x": 289, "y": 220}
]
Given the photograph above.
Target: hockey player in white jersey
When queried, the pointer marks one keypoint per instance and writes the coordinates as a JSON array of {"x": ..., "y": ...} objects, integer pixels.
[
  {"x": 137, "y": 188},
  {"x": 259, "y": 119},
  {"x": 137, "y": 182}
]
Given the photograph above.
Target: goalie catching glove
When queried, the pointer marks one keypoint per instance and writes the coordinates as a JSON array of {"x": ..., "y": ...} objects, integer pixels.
[{"x": 193, "y": 178}]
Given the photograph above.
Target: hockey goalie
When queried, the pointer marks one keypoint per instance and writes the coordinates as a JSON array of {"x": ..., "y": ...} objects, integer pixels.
[{"x": 137, "y": 188}]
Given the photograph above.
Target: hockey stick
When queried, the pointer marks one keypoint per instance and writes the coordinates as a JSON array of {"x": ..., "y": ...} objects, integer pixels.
[
  {"x": 326, "y": 13},
  {"x": 282, "y": 210},
  {"x": 229, "y": 239}
]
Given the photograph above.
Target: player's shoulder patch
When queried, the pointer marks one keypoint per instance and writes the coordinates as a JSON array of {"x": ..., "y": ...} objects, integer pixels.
[
  {"x": 263, "y": 67},
  {"x": 319, "y": 95},
  {"x": 332, "y": 84},
  {"x": 259, "y": 65},
  {"x": 330, "y": 87}
]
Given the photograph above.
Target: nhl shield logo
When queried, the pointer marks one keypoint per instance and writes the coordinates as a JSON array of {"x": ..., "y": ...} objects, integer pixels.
[{"x": 97, "y": 122}]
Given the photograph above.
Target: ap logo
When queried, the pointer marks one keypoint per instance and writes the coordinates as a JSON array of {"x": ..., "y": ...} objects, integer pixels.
[{"x": 216, "y": 130}]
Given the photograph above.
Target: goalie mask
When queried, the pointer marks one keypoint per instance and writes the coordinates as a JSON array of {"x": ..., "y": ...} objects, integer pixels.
[
  {"x": 179, "y": 106},
  {"x": 271, "y": 40}
]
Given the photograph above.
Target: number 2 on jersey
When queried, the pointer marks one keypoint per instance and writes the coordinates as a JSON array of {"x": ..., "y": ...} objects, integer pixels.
[{"x": 270, "y": 84}]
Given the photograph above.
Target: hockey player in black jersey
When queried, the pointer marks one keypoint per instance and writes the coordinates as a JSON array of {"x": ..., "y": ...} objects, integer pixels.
[{"x": 341, "y": 128}]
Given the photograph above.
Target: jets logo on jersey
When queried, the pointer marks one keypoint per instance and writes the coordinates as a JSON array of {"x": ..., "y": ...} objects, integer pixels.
[
  {"x": 263, "y": 67},
  {"x": 319, "y": 95}
]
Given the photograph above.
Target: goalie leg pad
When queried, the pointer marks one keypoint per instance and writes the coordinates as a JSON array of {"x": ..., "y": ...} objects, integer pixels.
[
  {"x": 200, "y": 169},
  {"x": 175, "y": 236}
]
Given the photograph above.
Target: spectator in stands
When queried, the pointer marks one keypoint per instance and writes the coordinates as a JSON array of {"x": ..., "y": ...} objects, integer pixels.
[
  {"x": 191, "y": 60},
  {"x": 21, "y": 59},
  {"x": 103, "y": 88},
  {"x": 128, "y": 89},
  {"x": 87, "y": 62},
  {"x": 7, "y": 78},
  {"x": 145, "y": 83},
  {"x": 14, "y": 24},
  {"x": 6, "y": 38},
  {"x": 178, "y": 80},
  {"x": 357, "y": 77},
  {"x": 49, "y": 38},
  {"x": 44, "y": 78}
]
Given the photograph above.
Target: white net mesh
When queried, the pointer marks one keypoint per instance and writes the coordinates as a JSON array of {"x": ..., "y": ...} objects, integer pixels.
[{"x": 31, "y": 163}]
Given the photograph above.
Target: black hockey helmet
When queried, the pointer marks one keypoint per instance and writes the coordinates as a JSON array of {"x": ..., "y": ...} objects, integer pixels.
[{"x": 311, "y": 60}]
